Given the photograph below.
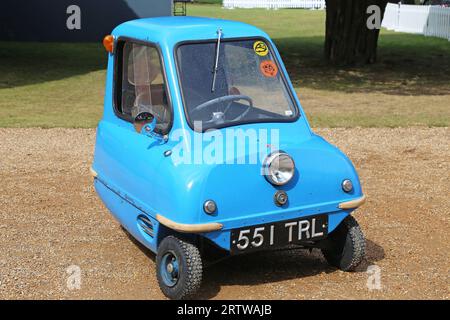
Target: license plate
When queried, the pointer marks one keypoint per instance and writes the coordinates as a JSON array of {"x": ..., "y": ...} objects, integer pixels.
[{"x": 279, "y": 234}]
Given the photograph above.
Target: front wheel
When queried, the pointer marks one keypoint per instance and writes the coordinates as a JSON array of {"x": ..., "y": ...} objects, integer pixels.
[
  {"x": 178, "y": 268},
  {"x": 345, "y": 247}
]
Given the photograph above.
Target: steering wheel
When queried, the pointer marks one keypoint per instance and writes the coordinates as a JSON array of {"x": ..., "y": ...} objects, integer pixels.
[{"x": 230, "y": 99}]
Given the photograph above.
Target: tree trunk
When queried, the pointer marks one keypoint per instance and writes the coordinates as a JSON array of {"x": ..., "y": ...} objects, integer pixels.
[{"x": 348, "y": 40}]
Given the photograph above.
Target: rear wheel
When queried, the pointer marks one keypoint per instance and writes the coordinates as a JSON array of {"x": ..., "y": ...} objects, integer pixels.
[
  {"x": 345, "y": 247},
  {"x": 178, "y": 268}
]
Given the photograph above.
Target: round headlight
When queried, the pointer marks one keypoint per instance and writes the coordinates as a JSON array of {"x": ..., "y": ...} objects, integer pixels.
[{"x": 279, "y": 168}]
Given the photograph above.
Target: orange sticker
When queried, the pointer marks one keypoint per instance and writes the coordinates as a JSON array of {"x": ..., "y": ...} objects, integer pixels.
[{"x": 268, "y": 68}]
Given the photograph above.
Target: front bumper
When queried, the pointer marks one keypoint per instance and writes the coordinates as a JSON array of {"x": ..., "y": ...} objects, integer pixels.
[{"x": 217, "y": 226}]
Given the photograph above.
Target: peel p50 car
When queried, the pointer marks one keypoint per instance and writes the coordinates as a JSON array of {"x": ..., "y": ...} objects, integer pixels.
[{"x": 203, "y": 144}]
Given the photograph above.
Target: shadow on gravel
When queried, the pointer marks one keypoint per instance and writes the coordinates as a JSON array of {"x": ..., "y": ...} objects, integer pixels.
[
  {"x": 141, "y": 247},
  {"x": 268, "y": 267},
  {"x": 274, "y": 266},
  {"x": 374, "y": 253}
]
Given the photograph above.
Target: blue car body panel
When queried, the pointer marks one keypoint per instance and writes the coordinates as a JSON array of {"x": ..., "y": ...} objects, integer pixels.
[{"x": 134, "y": 177}]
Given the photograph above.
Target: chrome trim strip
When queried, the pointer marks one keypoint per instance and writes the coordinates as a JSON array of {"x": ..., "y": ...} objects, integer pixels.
[
  {"x": 93, "y": 173},
  {"x": 353, "y": 203},
  {"x": 189, "y": 228}
]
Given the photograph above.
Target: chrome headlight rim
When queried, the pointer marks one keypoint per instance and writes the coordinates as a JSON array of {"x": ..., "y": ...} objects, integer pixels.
[{"x": 267, "y": 167}]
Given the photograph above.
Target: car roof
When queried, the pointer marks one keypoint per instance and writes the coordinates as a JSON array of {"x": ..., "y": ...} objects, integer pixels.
[{"x": 171, "y": 30}]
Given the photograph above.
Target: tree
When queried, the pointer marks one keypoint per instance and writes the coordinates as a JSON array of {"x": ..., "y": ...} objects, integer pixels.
[{"x": 348, "y": 39}]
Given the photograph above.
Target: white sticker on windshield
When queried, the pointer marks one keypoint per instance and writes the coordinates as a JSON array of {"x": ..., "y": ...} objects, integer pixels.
[{"x": 288, "y": 113}]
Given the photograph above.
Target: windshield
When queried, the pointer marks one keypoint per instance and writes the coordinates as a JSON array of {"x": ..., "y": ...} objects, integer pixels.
[{"x": 226, "y": 83}]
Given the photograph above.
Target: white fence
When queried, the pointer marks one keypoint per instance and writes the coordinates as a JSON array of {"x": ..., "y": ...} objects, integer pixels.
[
  {"x": 274, "y": 4},
  {"x": 427, "y": 20}
]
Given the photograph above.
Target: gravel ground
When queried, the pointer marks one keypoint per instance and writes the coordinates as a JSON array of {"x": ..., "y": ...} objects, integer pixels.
[{"x": 51, "y": 219}]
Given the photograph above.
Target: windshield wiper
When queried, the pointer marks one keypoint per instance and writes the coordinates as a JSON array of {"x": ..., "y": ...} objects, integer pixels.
[{"x": 216, "y": 64}]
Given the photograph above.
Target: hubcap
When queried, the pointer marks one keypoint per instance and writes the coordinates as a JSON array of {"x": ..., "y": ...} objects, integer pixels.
[{"x": 169, "y": 269}]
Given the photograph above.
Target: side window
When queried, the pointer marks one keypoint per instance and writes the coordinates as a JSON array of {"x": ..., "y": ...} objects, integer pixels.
[{"x": 142, "y": 84}]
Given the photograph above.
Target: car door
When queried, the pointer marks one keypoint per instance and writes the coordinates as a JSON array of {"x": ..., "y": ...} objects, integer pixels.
[{"x": 134, "y": 159}]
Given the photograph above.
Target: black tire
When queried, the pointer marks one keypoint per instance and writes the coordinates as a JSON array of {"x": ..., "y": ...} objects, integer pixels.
[
  {"x": 189, "y": 268},
  {"x": 345, "y": 246}
]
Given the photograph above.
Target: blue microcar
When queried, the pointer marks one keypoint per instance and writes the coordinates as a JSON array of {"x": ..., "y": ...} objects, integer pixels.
[{"x": 204, "y": 148}]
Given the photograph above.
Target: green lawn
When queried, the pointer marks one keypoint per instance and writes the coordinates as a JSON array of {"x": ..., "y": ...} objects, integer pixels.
[{"x": 62, "y": 85}]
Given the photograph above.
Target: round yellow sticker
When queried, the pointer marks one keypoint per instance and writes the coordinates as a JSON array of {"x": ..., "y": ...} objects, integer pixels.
[{"x": 261, "y": 49}]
